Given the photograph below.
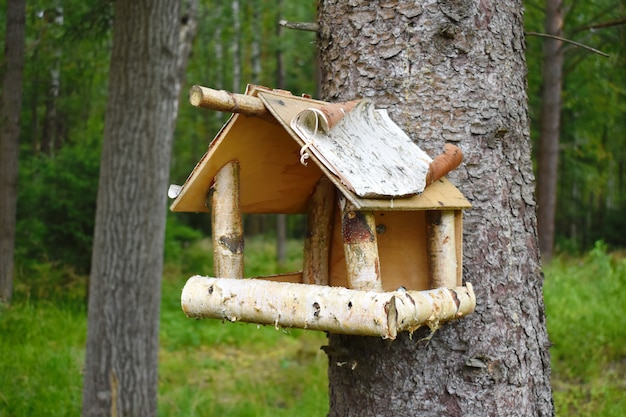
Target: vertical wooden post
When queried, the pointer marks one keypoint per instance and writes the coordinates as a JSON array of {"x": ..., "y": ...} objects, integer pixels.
[
  {"x": 358, "y": 230},
  {"x": 315, "y": 269},
  {"x": 226, "y": 223},
  {"x": 441, "y": 247},
  {"x": 458, "y": 229}
]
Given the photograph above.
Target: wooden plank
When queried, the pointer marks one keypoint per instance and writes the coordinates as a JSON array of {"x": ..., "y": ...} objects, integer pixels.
[
  {"x": 441, "y": 194},
  {"x": 401, "y": 240},
  {"x": 272, "y": 178},
  {"x": 458, "y": 229},
  {"x": 294, "y": 277}
]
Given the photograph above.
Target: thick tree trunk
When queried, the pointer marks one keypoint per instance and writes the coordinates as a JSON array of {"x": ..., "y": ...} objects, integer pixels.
[
  {"x": 552, "y": 76},
  {"x": 11, "y": 102},
  {"x": 451, "y": 72},
  {"x": 125, "y": 284}
]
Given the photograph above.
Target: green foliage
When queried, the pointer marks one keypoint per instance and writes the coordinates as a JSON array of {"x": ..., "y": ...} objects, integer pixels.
[
  {"x": 587, "y": 325},
  {"x": 592, "y": 178},
  {"x": 56, "y": 207}
]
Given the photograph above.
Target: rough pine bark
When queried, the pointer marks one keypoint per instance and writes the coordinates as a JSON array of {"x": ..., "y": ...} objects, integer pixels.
[
  {"x": 11, "y": 104},
  {"x": 125, "y": 283},
  {"x": 450, "y": 71}
]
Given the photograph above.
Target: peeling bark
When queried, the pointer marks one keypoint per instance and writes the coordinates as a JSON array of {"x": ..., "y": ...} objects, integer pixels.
[{"x": 358, "y": 231}]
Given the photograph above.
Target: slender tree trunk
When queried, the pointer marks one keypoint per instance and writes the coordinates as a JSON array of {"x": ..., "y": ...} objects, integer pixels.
[
  {"x": 552, "y": 77},
  {"x": 125, "y": 284},
  {"x": 281, "y": 219},
  {"x": 236, "y": 42},
  {"x": 451, "y": 72},
  {"x": 11, "y": 102}
]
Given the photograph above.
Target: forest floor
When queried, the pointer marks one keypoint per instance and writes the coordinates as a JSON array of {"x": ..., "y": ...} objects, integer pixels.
[{"x": 210, "y": 368}]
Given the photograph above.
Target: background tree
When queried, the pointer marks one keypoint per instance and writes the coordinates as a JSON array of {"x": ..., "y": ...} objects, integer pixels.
[
  {"x": 11, "y": 68},
  {"x": 127, "y": 262},
  {"x": 548, "y": 153},
  {"x": 577, "y": 104},
  {"x": 451, "y": 71}
]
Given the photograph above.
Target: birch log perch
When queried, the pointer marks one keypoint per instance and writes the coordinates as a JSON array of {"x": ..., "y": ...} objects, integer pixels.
[
  {"x": 226, "y": 101},
  {"x": 318, "y": 307},
  {"x": 358, "y": 231},
  {"x": 441, "y": 248},
  {"x": 315, "y": 269},
  {"x": 226, "y": 223}
]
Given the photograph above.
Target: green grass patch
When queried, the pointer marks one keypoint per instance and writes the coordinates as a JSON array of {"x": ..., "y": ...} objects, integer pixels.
[
  {"x": 41, "y": 359},
  {"x": 586, "y": 315},
  {"x": 210, "y": 368}
]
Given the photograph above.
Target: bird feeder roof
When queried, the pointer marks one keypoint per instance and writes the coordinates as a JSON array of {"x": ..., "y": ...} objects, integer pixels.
[{"x": 371, "y": 161}]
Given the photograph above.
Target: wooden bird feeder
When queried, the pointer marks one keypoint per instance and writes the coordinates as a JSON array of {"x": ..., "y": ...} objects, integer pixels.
[{"x": 383, "y": 248}]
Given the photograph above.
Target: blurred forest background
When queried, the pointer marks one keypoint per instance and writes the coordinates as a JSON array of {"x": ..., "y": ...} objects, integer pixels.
[
  {"x": 68, "y": 45},
  {"x": 65, "y": 85}
]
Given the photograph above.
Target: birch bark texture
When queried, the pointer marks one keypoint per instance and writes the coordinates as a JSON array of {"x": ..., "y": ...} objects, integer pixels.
[
  {"x": 125, "y": 282},
  {"x": 450, "y": 71}
]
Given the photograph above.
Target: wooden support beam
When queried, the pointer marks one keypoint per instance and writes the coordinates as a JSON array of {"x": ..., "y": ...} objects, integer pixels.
[
  {"x": 320, "y": 307},
  {"x": 441, "y": 248},
  {"x": 315, "y": 268},
  {"x": 226, "y": 223},
  {"x": 358, "y": 231}
]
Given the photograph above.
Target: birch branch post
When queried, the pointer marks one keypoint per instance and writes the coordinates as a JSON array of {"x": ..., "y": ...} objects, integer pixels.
[
  {"x": 315, "y": 269},
  {"x": 358, "y": 231},
  {"x": 441, "y": 248},
  {"x": 226, "y": 223}
]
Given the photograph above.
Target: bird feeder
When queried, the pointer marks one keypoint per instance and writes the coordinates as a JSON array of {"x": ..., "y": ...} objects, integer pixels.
[{"x": 383, "y": 247}]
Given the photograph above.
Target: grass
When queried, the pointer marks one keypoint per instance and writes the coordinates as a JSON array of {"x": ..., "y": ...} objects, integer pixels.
[
  {"x": 586, "y": 310},
  {"x": 209, "y": 368}
]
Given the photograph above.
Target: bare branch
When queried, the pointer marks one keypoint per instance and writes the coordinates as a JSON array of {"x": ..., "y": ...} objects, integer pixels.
[
  {"x": 589, "y": 48},
  {"x": 610, "y": 23},
  {"x": 306, "y": 26}
]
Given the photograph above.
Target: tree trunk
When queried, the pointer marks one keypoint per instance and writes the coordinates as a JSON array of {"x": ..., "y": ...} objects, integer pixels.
[
  {"x": 11, "y": 102},
  {"x": 125, "y": 284},
  {"x": 552, "y": 77},
  {"x": 281, "y": 219},
  {"x": 451, "y": 72}
]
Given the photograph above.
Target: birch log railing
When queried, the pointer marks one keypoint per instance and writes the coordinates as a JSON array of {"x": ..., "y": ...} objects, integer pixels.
[{"x": 318, "y": 307}]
